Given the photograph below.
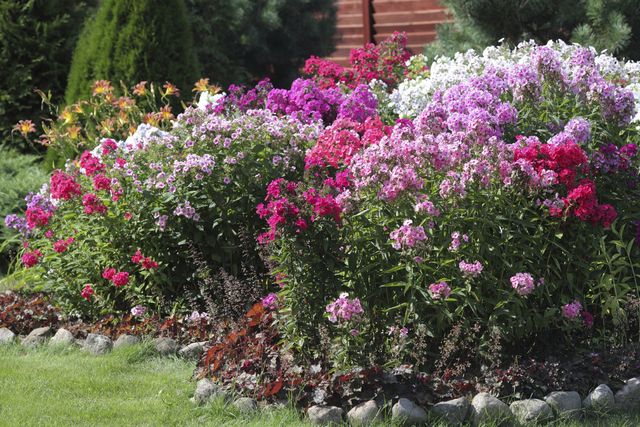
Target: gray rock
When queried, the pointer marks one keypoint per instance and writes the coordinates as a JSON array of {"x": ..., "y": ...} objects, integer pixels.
[
  {"x": 6, "y": 336},
  {"x": 126, "y": 340},
  {"x": 485, "y": 407},
  {"x": 245, "y": 405},
  {"x": 453, "y": 411},
  {"x": 166, "y": 346},
  {"x": 97, "y": 344},
  {"x": 192, "y": 351},
  {"x": 565, "y": 403},
  {"x": 628, "y": 397},
  {"x": 325, "y": 415},
  {"x": 62, "y": 337},
  {"x": 363, "y": 414},
  {"x": 408, "y": 413},
  {"x": 37, "y": 337},
  {"x": 529, "y": 411},
  {"x": 600, "y": 398},
  {"x": 206, "y": 391}
]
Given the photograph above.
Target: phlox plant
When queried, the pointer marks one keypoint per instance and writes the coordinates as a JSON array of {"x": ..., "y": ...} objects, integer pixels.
[
  {"x": 118, "y": 226},
  {"x": 510, "y": 195}
]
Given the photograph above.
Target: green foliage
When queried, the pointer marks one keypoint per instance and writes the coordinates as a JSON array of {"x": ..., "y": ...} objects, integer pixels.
[
  {"x": 247, "y": 40},
  {"x": 36, "y": 41},
  {"x": 134, "y": 40},
  {"x": 612, "y": 25},
  {"x": 19, "y": 175}
]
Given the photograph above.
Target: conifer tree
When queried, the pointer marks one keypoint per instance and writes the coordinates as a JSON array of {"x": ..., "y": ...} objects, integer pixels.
[
  {"x": 605, "y": 24},
  {"x": 134, "y": 40}
]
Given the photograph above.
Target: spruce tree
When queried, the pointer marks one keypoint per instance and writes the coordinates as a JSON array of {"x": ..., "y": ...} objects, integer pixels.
[
  {"x": 605, "y": 24},
  {"x": 134, "y": 40}
]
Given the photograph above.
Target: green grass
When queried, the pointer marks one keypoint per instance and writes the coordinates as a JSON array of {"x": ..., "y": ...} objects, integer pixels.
[
  {"x": 131, "y": 387},
  {"x": 128, "y": 387}
]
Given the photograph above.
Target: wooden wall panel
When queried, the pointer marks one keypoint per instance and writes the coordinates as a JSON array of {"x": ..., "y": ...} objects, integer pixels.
[{"x": 418, "y": 18}]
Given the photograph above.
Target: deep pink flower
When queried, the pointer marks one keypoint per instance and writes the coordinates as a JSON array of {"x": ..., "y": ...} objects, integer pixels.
[
  {"x": 29, "y": 259},
  {"x": 87, "y": 292},
  {"x": 101, "y": 182},
  {"x": 148, "y": 263},
  {"x": 108, "y": 273},
  {"x": 62, "y": 245},
  {"x": 64, "y": 186},
  {"x": 120, "y": 279},
  {"x": 137, "y": 257},
  {"x": 93, "y": 204}
]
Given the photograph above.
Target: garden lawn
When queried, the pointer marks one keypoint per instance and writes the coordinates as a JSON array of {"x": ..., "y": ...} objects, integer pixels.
[{"x": 130, "y": 387}]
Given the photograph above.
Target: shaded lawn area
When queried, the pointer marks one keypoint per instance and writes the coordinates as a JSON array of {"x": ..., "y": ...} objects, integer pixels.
[
  {"x": 131, "y": 387},
  {"x": 128, "y": 387}
]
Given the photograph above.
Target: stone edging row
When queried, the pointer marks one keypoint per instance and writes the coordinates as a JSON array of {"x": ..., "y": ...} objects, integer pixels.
[
  {"x": 482, "y": 408},
  {"x": 99, "y": 344}
]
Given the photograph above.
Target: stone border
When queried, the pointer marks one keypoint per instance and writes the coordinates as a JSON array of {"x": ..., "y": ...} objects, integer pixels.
[
  {"x": 98, "y": 344},
  {"x": 480, "y": 409}
]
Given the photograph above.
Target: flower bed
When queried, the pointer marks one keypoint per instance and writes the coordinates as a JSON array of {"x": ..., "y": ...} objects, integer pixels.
[{"x": 376, "y": 211}]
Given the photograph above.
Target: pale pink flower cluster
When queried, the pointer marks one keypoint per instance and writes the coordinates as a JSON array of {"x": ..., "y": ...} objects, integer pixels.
[
  {"x": 138, "y": 310},
  {"x": 456, "y": 241},
  {"x": 396, "y": 330},
  {"x": 407, "y": 236},
  {"x": 523, "y": 283},
  {"x": 344, "y": 309},
  {"x": 470, "y": 269},
  {"x": 195, "y": 316},
  {"x": 439, "y": 290}
]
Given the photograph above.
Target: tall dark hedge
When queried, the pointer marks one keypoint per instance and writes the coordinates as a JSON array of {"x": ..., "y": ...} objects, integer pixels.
[
  {"x": 605, "y": 24},
  {"x": 37, "y": 38},
  {"x": 245, "y": 40},
  {"x": 134, "y": 40}
]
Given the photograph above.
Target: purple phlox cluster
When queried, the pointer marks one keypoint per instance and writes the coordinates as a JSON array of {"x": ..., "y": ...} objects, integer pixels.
[
  {"x": 306, "y": 100},
  {"x": 547, "y": 63},
  {"x": 18, "y": 223},
  {"x": 423, "y": 205},
  {"x": 344, "y": 309},
  {"x": 440, "y": 290},
  {"x": 456, "y": 241},
  {"x": 407, "y": 236},
  {"x": 161, "y": 220},
  {"x": 470, "y": 269},
  {"x": 579, "y": 128},
  {"x": 186, "y": 210},
  {"x": 360, "y": 104},
  {"x": 270, "y": 301},
  {"x": 241, "y": 99},
  {"x": 203, "y": 163},
  {"x": 611, "y": 159},
  {"x": 572, "y": 309},
  {"x": 524, "y": 82}
]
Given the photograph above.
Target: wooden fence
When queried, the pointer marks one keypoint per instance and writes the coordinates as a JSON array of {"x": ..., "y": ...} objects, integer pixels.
[{"x": 364, "y": 21}]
